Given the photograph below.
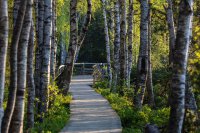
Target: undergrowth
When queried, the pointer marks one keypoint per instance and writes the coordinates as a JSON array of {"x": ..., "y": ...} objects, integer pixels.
[
  {"x": 58, "y": 113},
  {"x": 134, "y": 120}
]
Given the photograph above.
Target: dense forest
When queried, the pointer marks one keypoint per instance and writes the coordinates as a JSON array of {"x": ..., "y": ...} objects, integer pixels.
[{"x": 150, "y": 50}]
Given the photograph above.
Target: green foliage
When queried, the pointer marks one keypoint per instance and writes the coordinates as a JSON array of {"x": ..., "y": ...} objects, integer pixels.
[
  {"x": 134, "y": 120},
  {"x": 58, "y": 114}
]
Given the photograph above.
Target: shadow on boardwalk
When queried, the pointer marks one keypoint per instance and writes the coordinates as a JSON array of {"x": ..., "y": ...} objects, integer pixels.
[{"x": 90, "y": 112}]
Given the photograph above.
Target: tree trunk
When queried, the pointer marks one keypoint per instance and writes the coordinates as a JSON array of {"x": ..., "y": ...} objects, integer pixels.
[
  {"x": 107, "y": 39},
  {"x": 84, "y": 29},
  {"x": 130, "y": 40},
  {"x": 3, "y": 50},
  {"x": 63, "y": 51},
  {"x": 180, "y": 65},
  {"x": 16, "y": 125},
  {"x": 15, "y": 10},
  {"x": 38, "y": 57},
  {"x": 122, "y": 44},
  {"x": 30, "y": 80},
  {"x": 142, "y": 66},
  {"x": 150, "y": 93},
  {"x": 116, "y": 47},
  {"x": 67, "y": 73},
  {"x": 53, "y": 41},
  {"x": 171, "y": 28},
  {"x": 13, "y": 65},
  {"x": 45, "y": 65}
]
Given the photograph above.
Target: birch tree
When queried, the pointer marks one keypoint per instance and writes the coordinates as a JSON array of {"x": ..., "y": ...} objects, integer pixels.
[
  {"x": 16, "y": 125},
  {"x": 149, "y": 83},
  {"x": 116, "y": 46},
  {"x": 180, "y": 65},
  {"x": 53, "y": 41},
  {"x": 45, "y": 63},
  {"x": 19, "y": 16},
  {"x": 107, "y": 40},
  {"x": 39, "y": 9},
  {"x": 84, "y": 28},
  {"x": 67, "y": 73},
  {"x": 3, "y": 50},
  {"x": 30, "y": 80},
  {"x": 130, "y": 40},
  {"x": 171, "y": 28},
  {"x": 122, "y": 44},
  {"x": 142, "y": 65}
]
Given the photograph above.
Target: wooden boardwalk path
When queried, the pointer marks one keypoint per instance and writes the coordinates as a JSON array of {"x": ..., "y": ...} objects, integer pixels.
[{"x": 90, "y": 112}]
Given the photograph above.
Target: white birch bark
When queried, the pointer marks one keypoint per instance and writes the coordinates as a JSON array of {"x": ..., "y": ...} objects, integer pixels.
[
  {"x": 142, "y": 65},
  {"x": 180, "y": 65},
  {"x": 19, "y": 16},
  {"x": 45, "y": 64},
  {"x": 16, "y": 125},
  {"x": 30, "y": 80},
  {"x": 116, "y": 47},
  {"x": 123, "y": 56},
  {"x": 3, "y": 51},
  {"x": 107, "y": 40},
  {"x": 130, "y": 41}
]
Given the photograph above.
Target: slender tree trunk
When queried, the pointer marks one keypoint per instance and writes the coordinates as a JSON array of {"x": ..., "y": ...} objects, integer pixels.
[
  {"x": 107, "y": 39},
  {"x": 111, "y": 35},
  {"x": 171, "y": 28},
  {"x": 179, "y": 66},
  {"x": 122, "y": 44},
  {"x": 116, "y": 47},
  {"x": 149, "y": 84},
  {"x": 53, "y": 41},
  {"x": 13, "y": 64},
  {"x": 16, "y": 125},
  {"x": 63, "y": 50},
  {"x": 142, "y": 68},
  {"x": 30, "y": 80},
  {"x": 67, "y": 73},
  {"x": 3, "y": 50},
  {"x": 38, "y": 57},
  {"x": 15, "y": 10},
  {"x": 84, "y": 29},
  {"x": 46, "y": 54},
  {"x": 130, "y": 40}
]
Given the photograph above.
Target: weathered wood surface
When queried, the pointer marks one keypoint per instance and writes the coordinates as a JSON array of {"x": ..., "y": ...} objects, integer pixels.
[{"x": 90, "y": 112}]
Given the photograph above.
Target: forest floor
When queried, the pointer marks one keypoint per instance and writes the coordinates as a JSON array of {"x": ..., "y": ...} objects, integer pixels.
[{"x": 90, "y": 112}]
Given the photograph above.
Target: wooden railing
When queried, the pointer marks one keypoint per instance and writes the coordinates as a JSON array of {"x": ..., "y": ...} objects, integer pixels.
[
  {"x": 97, "y": 70},
  {"x": 85, "y": 68}
]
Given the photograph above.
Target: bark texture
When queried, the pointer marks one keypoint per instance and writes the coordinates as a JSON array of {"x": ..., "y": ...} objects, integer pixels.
[
  {"x": 116, "y": 47},
  {"x": 149, "y": 84},
  {"x": 179, "y": 66},
  {"x": 3, "y": 50},
  {"x": 16, "y": 125},
  {"x": 67, "y": 73},
  {"x": 53, "y": 41},
  {"x": 171, "y": 28},
  {"x": 122, "y": 44},
  {"x": 45, "y": 63},
  {"x": 142, "y": 65},
  {"x": 38, "y": 57},
  {"x": 30, "y": 80},
  {"x": 107, "y": 40},
  {"x": 13, "y": 63},
  {"x": 130, "y": 41}
]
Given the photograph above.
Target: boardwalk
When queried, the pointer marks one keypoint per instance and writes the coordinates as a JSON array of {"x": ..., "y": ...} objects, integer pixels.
[{"x": 90, "y": 112}]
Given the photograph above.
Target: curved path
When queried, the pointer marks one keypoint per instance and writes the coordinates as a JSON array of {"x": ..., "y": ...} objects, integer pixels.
[{"x": 90, "y": 112}]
